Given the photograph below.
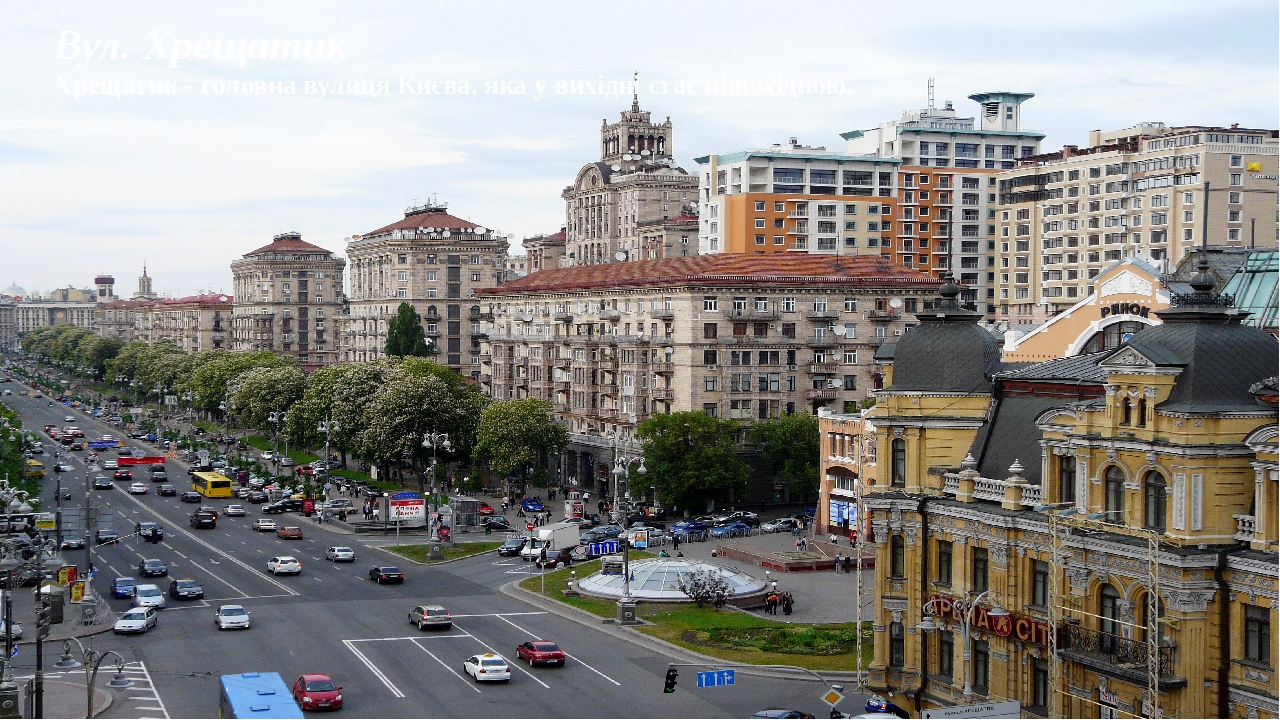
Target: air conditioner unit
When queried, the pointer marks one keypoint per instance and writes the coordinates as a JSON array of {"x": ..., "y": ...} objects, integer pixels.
[
  {"x": 711, "y": 367},
  {"x": 897, "y": 333},
  {"x": 833, "y": 384},
  {"x": 791, "y": 367}
]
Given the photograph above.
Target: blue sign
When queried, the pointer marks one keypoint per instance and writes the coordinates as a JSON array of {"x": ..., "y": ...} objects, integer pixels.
[
  {"x": 608, "y": 547},
  {"x": 101, "y": 445},
  {"x": 406, "y": 496},
  {"x": 715, "y": 678}
]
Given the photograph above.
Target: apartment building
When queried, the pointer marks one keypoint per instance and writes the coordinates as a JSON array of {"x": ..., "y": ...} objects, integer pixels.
[
  {"x": 946, "y": 186},
  {"x": 34, "y": 313},
  {"x": 1140, "y": 191},
  {"x": 848, "y": 470},
  {"x": 193, "y": 323},
  {"x": 635, "y": 181},
  {"x": 117, "y": 318},
  {"x": 795, "y": 198},
  {"x": 736, "y": 336},
  {"x": 288, "y": 295},
  {"x": 8, "y": 323},
  {"x": 545, "y": 251},
  {"x": 435, "y": 262}
]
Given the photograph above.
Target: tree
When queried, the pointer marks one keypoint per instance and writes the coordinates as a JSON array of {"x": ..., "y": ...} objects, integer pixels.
[
  {"x": 790, "y": 444},
  {"x": 209, "y": 383},
  {"x": 704, "y": 586},
  {"x": 513, "y": 435},
  {"x": 256, "y": 393},
  {"x": 692, "y": 457},
  {"x": 405, "y": 336}
]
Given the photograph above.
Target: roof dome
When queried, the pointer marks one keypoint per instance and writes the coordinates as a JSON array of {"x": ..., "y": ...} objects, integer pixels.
[
  {"x": 947, "y": 351},
  {"x": 14, "y": 289},
  {"x": 660, "y": 580}
]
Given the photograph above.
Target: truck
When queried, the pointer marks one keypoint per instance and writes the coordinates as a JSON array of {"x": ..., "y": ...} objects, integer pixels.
[{"x": 560, "y": 536}]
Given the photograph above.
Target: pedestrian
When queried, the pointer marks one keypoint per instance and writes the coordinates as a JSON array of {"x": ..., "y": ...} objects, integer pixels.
[
  {"x": 675, "y": 542},
  {"x": 847, "y": 558},
  {"x": 797, "y": 544},
  {"x": 771, "y": 603},
  {"x": 787, "y": 602},
  {"x": 804, "y": 545},
  {"x": 837, "y": 568}
]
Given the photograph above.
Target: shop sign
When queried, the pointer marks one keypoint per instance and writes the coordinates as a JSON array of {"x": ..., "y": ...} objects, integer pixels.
[
  {"x": 1021, "y": 628},
  {"x": 1109, "y": 697}
]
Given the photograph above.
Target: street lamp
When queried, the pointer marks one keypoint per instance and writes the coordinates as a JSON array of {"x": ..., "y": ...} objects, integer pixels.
[
  {"x": 92, "y": 660},
  {"x": 434, "y": 441},
  {"x": 278, "y": 418},
  {"x": 965, "y": 609},
  {"x": 623, "y": 458}
]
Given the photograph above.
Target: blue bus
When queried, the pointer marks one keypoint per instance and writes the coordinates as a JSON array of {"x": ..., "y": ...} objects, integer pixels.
[{"x": 256, "y": 695}]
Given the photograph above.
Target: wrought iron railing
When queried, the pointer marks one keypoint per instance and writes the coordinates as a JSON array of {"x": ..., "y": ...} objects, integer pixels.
[{"x": 1115, "y": 648}]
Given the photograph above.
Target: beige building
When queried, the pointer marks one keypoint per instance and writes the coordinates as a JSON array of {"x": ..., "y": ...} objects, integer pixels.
[
  {"x": 736, "y": 336},
  {"x": 668, "y": 237},
  {"x": 545, "y": 251},
  {"x": 193, "y": 323},
  {"x": 1137, "y": 192},
  {"x": 848, "y": 457},
  {"x": 435, "y": 262},
  {"x": 119, "y": 319},
  {"x": 32, "y": 314},
  {"x": 8, "y": 323},
  {"x": 288, "y": 296}
]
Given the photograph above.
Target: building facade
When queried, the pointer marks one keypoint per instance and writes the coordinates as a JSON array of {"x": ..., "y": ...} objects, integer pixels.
[
  {"x": 119, "y": 319},
  {"x": 31, "y": 314},
  {"x": 1137, "y": 192},
  {"x": 848, "y": 462},
  {"x": 635, "y": 181},
  {"x": 435, "y": 262},
  {"x": 545, "y": 251},
  {"x": 668, "y": 237},
  {"x": 193, "y": 323},
  {"x": 288, "y": 297},
  {"x": 735, "y": 336},
  {"x": 8, "y": 324}
]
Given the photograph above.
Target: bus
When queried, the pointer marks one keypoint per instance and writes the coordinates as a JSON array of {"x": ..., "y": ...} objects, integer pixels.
[
  {"x": 256, "y": 695},
  {"x": 35, "y": 468},
  {"x": 211, "y": 485}
]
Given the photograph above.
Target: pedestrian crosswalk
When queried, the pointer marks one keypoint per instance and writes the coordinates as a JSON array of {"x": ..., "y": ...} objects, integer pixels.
[{"x": 143, "y": 700}]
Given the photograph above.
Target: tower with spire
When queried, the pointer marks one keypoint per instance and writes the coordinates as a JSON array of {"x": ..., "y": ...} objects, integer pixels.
[
  {"x": 635, "y": 137},
  {"x": 144, "y": 286}
]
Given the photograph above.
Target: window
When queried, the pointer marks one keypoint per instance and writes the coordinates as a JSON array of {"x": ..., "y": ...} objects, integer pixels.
[
  {"x": 760, "y": 239},
  {"x": 1154, "y": 491},
  {"x": 1109, "y": 618},
  {"x": 897, "y": 557},
  {"x": 708, "y": 357},
  {"x": 897, "y": 645},
  {"x": 850, "y": 382},
  {"x": 1257, "y": 634},
  {"x": 759, "y": 222},
  {"x": 1067, "y": 478},
  {"x": 1237, "y": 179},
  {"x": 709, "y": 303},
  {"x": 898, "y": 465},
  {"x": 981, "y": 666},
  {"x": 946, "y": 651},
  {"x": 1040, "y": 584},
  {"x": 980, "y": 566},
  {"x": 710, "y": 409},
  {"x": 1115, "y": 494},
  {"x": 760, "y": 206},
  {"x": 711, "y": 383},
  {"x": 1040, "y": 684},
  {"x": 710, "y": 330},
  {"x": 944, "y": 562}
]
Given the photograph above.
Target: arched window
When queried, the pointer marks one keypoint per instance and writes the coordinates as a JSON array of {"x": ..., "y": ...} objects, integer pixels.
[
  {"x": 1109, "y": 618},
  {"x": 1154, "y": 491},
  {"x": 1115, "y": 494},
  {"x": 899, "y": 464},
  {"x": 897, "y": 557}
]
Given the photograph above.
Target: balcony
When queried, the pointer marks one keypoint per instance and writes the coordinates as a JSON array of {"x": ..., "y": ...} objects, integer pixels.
[
  {"x": 823, "y": 315},
  {"x": 1246, "y": 525},
  {"x": 483, "y": 316},
  {"x": 876, "y": 341},
  {"x": 432, "y": 333},
  {"x": 662, "y": 315},
  {"x": 827, "y": 394},
  {"x": 562, "y": 317},
  {"x": 662, "y": 367},
  {"x": 667, "y": 394},
  {"x": 884, "y": 315},
  {"x": 561, "y": 407},
  {"x": 754, "y": 314},
  {"x": 1115, "y": 653},
  {"x": 821, "y": 341},
  {"x": 607, "y": 413},
  {"x": 824, "y": 368},
  {"x": 610, "y": 314}
]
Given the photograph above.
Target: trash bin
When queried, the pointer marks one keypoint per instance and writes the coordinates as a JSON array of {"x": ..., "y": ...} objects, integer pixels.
[{"x": 55, "y": 597}]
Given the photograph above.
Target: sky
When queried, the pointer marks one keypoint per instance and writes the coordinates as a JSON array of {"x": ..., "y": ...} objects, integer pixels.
[{"x": 131, "y": 133}]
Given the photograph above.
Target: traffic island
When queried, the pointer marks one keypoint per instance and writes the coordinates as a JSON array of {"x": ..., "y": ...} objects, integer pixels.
[{"x": 444, "y": 552}]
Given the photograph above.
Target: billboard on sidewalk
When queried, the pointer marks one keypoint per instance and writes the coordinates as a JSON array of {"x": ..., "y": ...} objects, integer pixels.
[{"x": 408, "y": 506}]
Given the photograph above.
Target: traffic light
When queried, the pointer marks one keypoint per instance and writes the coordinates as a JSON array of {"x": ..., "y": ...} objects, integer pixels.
[
  {"x": 542, "y": 556},
  {"x": 671, "y": 680}
]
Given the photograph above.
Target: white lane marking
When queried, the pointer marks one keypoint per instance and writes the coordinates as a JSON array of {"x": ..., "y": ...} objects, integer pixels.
[
  {"x": 511, "y": 614},
  {"x": 159, "y": 700},
  {"x": 114, "y": 570},
  {"x": 220, "y": 579},
  {"x": 575, "y": 658},
  {"x": 374, "y": 669},
  {"x": 179, "y": 554},
  {"x": 489, "y": 647},
  {"x": 406, "y": 637},
  {"x": 467, "y": 682}
]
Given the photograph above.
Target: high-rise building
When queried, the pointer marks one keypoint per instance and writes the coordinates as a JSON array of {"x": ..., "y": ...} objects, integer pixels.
[
  {"x": 8, "y": 323},
  {"x": 435, "y": 262},
  {"x": 106, "y": 288},
  {"x": 288, "y": 296},
  {"x": 1140, "y": 192},
  {"x": 946, "y": 186},
  {"x": 635, "y": 181}
]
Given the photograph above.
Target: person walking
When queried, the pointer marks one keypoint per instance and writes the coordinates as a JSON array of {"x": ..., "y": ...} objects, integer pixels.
[
  {"x": 847, "y": 558},
  {"x": 837, "y": 568},
  {"x": 771, "y": 603}
]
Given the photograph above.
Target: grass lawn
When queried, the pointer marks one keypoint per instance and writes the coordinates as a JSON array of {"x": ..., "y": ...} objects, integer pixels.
[
  {"x": 259, "y": 441},
  {"x": 558, "y": 580},
  {"x": 419, "y": 552}
]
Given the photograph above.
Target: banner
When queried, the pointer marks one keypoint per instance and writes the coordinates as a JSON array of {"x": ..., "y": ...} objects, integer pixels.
[
  {"x": 408, "y": 506},
  {"x": 144, "y": 460},
  {"x": 77, "y": 591},
  {"x": 66, "y": 575}
]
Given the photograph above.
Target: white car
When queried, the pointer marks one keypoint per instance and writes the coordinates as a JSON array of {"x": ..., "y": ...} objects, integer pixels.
[
  {"x": 231, "y": 617},
  {"x": 264, "y": 525},
  {"x": 110, "y": 464},
  {"x": 340, "y": 554},
  {"x": 235, "y": 511},
  {"x": 137, "y": 620},
  {"x": 533, "y": 549},
  {"x": 284, "y": 565},
  {"x": 69, "y": 418},
  {"x": 108, "y": 438},
  {"x": 17, "y": 630},
  {"x": 487, "y": 668},
  {"x": 148, "y": 596},
  {"x": 137, "y": 489},
  {"x": 268, "y": 455}
]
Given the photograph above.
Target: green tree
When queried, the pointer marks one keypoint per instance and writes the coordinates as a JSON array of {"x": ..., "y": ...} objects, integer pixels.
[
  {"x": 405, "y": 336},
  {"x": 790, "y": 445},
  {"x": 514, "y": 434},
  {"x": 209, "y": 383},
  {"x": 692, "y": 457},
  {"x": 260, "y": 391}
]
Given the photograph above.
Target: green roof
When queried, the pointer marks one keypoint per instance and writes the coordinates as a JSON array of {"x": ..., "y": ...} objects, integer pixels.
[{"x": 1255, "y": 289}]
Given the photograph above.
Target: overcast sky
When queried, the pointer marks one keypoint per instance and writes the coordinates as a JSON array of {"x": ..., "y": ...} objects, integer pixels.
[{"x": 189, "y": 181}]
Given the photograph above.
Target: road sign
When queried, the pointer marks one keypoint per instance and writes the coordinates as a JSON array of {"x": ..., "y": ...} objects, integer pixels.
[
  {"x": 608, "y": 547},
  {"x": 997, "y": 710},
  {"x": 528, "y": 526},
  {"x": 715, "y": 678},
  {"x": 640, "y": 539},
  {"x": 832, "y": 697}
]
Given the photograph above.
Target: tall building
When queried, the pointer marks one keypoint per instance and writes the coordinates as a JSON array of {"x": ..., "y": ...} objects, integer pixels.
[
  {"x": 1064, "y": 216},
  {"x": 288, "y": 296},
  {"x": 144, "y": 287},
  {"x": 106, "y": 287},
  {"x": 435, "y": 262},
  {"x": 734, "y": 336},
  {"x": 8, "y": 323},
  {"x": 635, "y": 181},
  {"x": 797, "y": 199},
  {"x": 545, "y": 251},
  {"x": 34, "y": 313},
  {"x": 948, "y": 166},
  {"x": 119, "y": 319},
  {"x": 193, "y": 323}
]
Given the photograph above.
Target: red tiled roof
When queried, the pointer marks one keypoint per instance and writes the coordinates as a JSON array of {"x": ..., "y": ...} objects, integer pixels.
[
  {"x": 287, "y": 242},
  {"x": 430, "y": 218},
  {"x": 205, "y": 299},
  {"x": 724, "y": 269}
]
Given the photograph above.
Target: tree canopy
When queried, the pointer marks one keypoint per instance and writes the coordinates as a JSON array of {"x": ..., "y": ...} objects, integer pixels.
[
  {"x": 514, "y": 434},
  {"x": 790, "y": 445},
  {"x": 405, "y": 336},
  {"x": 692, "y": 457}
]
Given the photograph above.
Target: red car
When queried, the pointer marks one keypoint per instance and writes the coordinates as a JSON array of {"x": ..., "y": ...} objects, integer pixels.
[
  {"x": 540, "y": 652},
  {"x": 317, "y": 692},
  {"x": 124, "y": 474},
  {"x": 485, "y": 508}
]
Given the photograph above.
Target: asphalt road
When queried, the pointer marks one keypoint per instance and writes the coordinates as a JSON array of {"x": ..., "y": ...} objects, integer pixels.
[{"x": 332, "y": 619}]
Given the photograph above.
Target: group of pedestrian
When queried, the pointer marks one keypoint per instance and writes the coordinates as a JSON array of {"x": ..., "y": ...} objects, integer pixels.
[
  {"x": 802, "y": 544},
  {"x": 786, "y": 600}
]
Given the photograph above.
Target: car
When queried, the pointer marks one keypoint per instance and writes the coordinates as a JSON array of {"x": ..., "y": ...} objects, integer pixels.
[
  {"x": 208, "y": 509},
  {"x": 283, "y": 506},
  {"x": 430, "y": 616},
  {"x": 242, "y": 493},
  {"x": 555, "y": 559},
  {"x": 17, "y": 630},
  {"x": 284, "y": 565},
  {"x": 62, "y": 467},
  {"x": 160, "y": 475},
  {"x": 386, "y": 574},
  {"x": 186, "y": 589},
  {"x": 511, "y": 547},
  {"x": 69, "y": 418},
  {"x": 102, "y": 537},
  {"x": 317, "y": 692},
  {"x": 148, "y": 596},
  {"x": 123, "y": 451},
  {"x": 137, "y": 620},
  {"x": 611, "y": 531},
  {"x": 729, "y": 530},
  {"x": 264, "y": 525},
  {"x": 485, "y": 508},
  {"x": 110, "y": 464},
  {"x": 690, "y": 530},
  {"x": 340, "y": 554},
  {"x": 203, "y": 520},
  {"x": 781, "y": 714},
  {"x": 166, "y": 490},
  {"x": 289, "y": 532},
  {"x": 540, "y": 652},
  {"x": 287, "y": 461},
  {"x": 258, "y": 497},
  {"x": 741, "y": 516},
  {"x": 785, "y": 524},
  {"x": 123, "y": 587},
  {"x": 231, "y": 617},
  {"x": 235, "y": 511},
  {"x": 137, "y": 489},
  {"x": 532, "y": 505},
  {"x": 268, "y": 455},
  {"x": 73, "y": 543},
  {"x": 532, "y": 549},
  {"x": 101, "y": 482},
  {"x": 152, "y": 568},
  {"x": 496, "y": 522},
  {"x": 191, "y": 496},
  {"x": 149, "y": 531},
  {"x": 77, "y": 446},
  {"x": 122, "y": 474},
  {"x": 487, "y": 667}
]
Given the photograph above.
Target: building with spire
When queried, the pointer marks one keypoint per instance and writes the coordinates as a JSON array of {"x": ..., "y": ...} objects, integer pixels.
[{"x": 144, "y": 287}]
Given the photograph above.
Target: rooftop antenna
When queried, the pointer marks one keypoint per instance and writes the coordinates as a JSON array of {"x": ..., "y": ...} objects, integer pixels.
[
  {"x": 635, "y": 92},
  {"x": 930, "y": 96}
]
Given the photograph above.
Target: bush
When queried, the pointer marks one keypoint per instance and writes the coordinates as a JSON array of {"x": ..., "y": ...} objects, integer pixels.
[{"x": 704, "y": 586}]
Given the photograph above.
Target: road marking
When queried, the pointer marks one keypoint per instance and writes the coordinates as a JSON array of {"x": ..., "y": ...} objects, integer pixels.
[
  {"x": 406, "y": 637},
  {"x": 179, "y": 554},
  {"x": 446, "y": 667},
  {"x": 114, "y": 570},
  {"x": 159, "y": 700},
  {"x": 575, "y": 658},
  {"x": 518, "y": 667},
  {"x": 374, "y": 669},
  {"x": 510, "y": 614},
  {"x": 220, "y": 579}
]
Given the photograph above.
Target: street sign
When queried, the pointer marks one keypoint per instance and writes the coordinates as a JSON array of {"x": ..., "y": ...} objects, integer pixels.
[
  {"x": 715, "y": 678},
  {"x": 996, "y": 711},
  {"x": 408, "y": 506},
  {"x": 832, "y": 697},
  {"x": 528, "y": 526},
  {"x": 608, "y": 547}
]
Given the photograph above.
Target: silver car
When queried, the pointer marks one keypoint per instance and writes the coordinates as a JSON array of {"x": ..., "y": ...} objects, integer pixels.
[
  {"x": 340, "y": 554},
  {"x": 148, "y": 596},
  {"x": 231, "y": 617}
]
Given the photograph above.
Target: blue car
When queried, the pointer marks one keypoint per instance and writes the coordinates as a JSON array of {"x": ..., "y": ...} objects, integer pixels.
[
  {"x": 733, "y": 529},
  {"x": 123, "y": 587},
  {"x": 690, "y": 530},
  {"x": 532, "y": 505}
]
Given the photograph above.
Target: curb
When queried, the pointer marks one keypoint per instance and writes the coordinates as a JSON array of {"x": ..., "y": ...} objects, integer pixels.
[{"x": 653, "y": 644}]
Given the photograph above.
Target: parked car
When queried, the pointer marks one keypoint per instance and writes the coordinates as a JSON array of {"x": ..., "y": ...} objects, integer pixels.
[
  {"x": 317, "y": 692},
  {"x": 231, "y": 617},
  {"x": 540, "y": 652},
  {"x": 123, "y": 587},
  {"x": 690, "y": 531},
  {"x": 386, "y": 574},
  {"x": 137, "y": 620},
  {"x": 430, "y": 616},
  {"x": 532, "y": 505},
  {"x": 496, "y": 522},
  {"x": 729, "y": 530},
  {"x": 786, "y": 524},
  {"x": 284, "y": 565},
  {"x": 340, "y": 554},
  {"x": 485, "y": 508},
  {"x": 258, "y": 497},
  {"x": 186, "y": 589}
]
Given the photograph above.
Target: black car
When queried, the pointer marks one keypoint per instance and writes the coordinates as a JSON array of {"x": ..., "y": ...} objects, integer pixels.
[
  {"x": 283, "y": 506},
  {"x": 496, "y": 522},
  {"x": 191, "y": 496},
  {"x": 101, "y": 483},
  {"x": 73, "y": 543},
  {"x": 123, "y": 474},
  {"x": 160, "y": 475},
  {"x": 202, "y": 520},
  {"x": 186, "y": 589},
  {"x": 742, "y": 516},
  {"x": 258, "y": 497},
  {"x": 385, "y": 574},
  {"x": 152, "y": 568},
  {"x": 511, "y": 547},
  {"x": 149, "y": 531},
  {"x": 106, "y": 536},
  {"x": 166, "y": 490}
]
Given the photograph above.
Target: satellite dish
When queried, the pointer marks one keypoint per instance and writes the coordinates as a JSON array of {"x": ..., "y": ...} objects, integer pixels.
[
  {"x": 430, "y": 229},
  {"x": 445, "y": 233},
  {"x": 480, "y": 230},
  {"x": 615, "y": 168},
  {"x": 620, "y": 256},
  {"x": 644, "y": 152},
  {"x": 627, "y": 156},
  {"x": 895, "y": 303}
]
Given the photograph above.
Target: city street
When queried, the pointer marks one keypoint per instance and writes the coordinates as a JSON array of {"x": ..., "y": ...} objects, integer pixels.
[{"x": 332, "y": 619}]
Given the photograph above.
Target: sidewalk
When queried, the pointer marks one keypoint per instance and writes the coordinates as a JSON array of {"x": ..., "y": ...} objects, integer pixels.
[
  {"x": 75, "y": 623},
  {"x": 66, "y": 698}
]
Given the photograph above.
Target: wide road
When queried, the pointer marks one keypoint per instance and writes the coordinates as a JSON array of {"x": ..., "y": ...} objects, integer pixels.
[{"x": 332, "y": 619}]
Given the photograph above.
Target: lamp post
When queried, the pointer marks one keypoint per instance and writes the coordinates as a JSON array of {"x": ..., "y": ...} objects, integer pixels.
[
  {"x": 278, "y": 418},
  {"x": 624, "y": 456},
  {"x": 92, "y": 660},
  {"x": 433, "y": 441},
  {"x": 965, "y": 609}
]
